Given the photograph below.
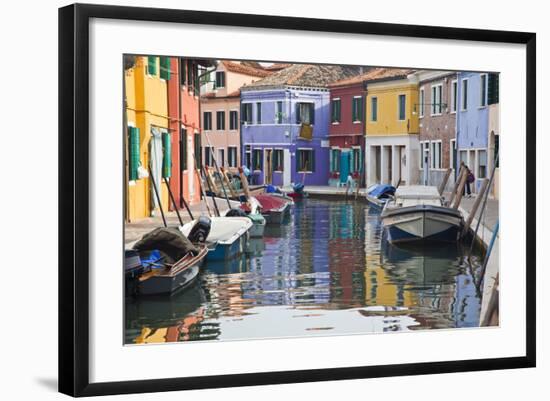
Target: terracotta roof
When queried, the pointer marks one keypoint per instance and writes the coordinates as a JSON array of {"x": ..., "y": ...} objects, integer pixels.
[
  {"x": 373, "y": 75},
  {"x": 306, "y": 75},
  {"x": 212, "y": 95},
  {"x": 244, "y": 69},
  {"x": 277, "y": 66},
  {"x": 253, "y": 64}
]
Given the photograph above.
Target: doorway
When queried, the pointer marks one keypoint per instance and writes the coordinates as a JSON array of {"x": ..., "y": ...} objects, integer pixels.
[{"x": 268, "y": 166}]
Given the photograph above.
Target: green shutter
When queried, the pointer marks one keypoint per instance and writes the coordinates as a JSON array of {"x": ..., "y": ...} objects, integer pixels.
[
  {"x": 152, "y": 65},
  {"x": 133, "y": 151},
  {"x": 493, "y": 89},
  {"x": 167, "y": 155},
  {"x": 165, "y": 68}
]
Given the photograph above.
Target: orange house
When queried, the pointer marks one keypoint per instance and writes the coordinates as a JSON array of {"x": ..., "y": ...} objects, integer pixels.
[{"x": 185, "y": 129}]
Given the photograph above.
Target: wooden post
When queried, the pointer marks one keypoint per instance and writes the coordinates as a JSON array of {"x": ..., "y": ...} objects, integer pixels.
[
  {"x": 460, "y": 189},
  {"x": 444, "y": 182},
  {"x": 455, "y": 188},
  {"x": 473, "y": 212},
  {"x": 203, "y": 192},
  {"x": 244, "y": 182},
  {"x": 211, "y": 180},
  {"x": 228, "y": 183}
]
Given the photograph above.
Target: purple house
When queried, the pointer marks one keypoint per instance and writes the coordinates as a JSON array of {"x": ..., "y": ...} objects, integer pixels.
[{"x": 285, "y": 119}]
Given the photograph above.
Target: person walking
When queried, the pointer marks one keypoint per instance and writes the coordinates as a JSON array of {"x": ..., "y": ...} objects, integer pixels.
[{"x": 467, "y": 191}]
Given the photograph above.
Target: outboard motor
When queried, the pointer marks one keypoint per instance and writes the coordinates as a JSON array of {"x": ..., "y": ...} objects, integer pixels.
[
  {"x": 200, "y": 230},
  {"x": 236, "y": 213}
]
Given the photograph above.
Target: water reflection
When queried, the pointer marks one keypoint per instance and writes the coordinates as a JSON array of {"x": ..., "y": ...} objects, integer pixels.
[{"x": 325, "y": 271}]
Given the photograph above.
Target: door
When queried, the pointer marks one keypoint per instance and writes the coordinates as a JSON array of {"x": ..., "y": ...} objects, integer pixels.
[
  {"x": 344, "y": 166},
  {"x": 268, "y": 166},
  {"x": 286, "y": 167}
]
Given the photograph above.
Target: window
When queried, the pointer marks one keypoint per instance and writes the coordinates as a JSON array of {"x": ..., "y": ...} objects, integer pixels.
[
  {"x": 305, "y": 160},
  {"x": 483, "y": 90},
  {"x": 452, "y": 155},
  {"x": 424, "y": 153},
  {"x": 152, "y": 65},
  {"x": 482, "y": 170},
  {"x": 233, "y": 120},
  {"x": 166, "y": 154},
  {"x": 257, "y": 159},
  {"x": 278, "y": 160},
  {"x": 258, "y": 113},
  {"x": 183, "y": 71},
  {"x": 183, "y": 149},
  {"x": 464, "y": 94},
  {"x": 246, "y": 113},
  {"x": 248, "y": 156},
  {"x": 336, "y": 110},
  {"x": 436, "y": 155},
  {"x": 374, "y": 109},
  {"x": 279, "y": 113},
  {"x": 208, "y": 156},
  {"x": 492, "y": 88},
  {"x": 436, "y": 99},
  {"x": 220, "y": 120},
  {"x": 190, "y": 74},
  {"x": 357, "y": 109},
  {"x": 207, "y": 120},
  {"x": 454, "y": 93},
  {"x": 422, "y": 101},
  {"x": 220, "y": 79},
  {"x": 232, "y": 156},
  {"x": 221, "y": 157},
  {"x": 197, "y": 154},
  {"x": 356, "y": 160},
  {"x": 165, "y": 68},
  {"x": 334, "y": 160},
  {"x": 305, "y": 113},
  {"x": 401, "y": 105}
]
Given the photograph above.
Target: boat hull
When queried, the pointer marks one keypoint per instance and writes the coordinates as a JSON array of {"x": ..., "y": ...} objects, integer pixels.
[
  {"x": 228, "y": 251},
  {"x": 183, "y": 274},
  {"x": 277, "y": 216},
  {"x": 422, "y": 223}
]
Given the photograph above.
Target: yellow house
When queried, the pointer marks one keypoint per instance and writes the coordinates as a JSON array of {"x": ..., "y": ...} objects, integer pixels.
[
  {"x": 146, "y": 99},
  {"x": 391, "y": 142}
]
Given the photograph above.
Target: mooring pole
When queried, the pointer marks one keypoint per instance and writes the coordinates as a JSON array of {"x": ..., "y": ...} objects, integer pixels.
[
  {"x": 460, "y": 190},
  {"x": 477, "y": 202},
  {"x": 155, "y": 189},
  {"x": 455, "y": 188},
  {"x": 444, "y": 182}
]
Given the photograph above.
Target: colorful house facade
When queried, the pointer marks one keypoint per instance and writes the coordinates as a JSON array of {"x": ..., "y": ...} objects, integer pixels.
[
  {"x": 391, "y": 142},
  {"x": 436, "y": 109},
  {"x": 183, "y": 110},
  {"x": 220, "y": 110},
  {"x": 472, "y": 124},
  {"x": 494, "y": 131},
  {"x": 347, "y": 130},
  {"x": 148, "y": 133},
  {"x": 285, "y": 119}
]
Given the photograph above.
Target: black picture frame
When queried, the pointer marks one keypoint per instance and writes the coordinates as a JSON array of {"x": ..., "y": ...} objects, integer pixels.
[{"x": 74, "y": 198}]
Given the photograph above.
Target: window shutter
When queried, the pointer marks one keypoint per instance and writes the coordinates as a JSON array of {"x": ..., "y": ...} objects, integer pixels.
[
  {"x": 167, "y": 155},
  {"x": 298, "y": 117},
  {"x": 133, "y": 152},
  {"x": 313, "y": 160},
  {"x": 492, "y": 89},
  {"x": 297, "y": 160},
  {"x": 312, "y": 108},
  {"x": 165, "y": 68},
  {"x": 152, "y": 65}
]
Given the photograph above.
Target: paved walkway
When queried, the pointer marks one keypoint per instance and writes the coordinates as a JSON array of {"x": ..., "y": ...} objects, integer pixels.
[{"x": 135, "y": 230}]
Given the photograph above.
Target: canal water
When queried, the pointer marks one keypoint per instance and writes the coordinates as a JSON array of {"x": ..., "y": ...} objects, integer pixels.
[{"x": 325, "y": 272}]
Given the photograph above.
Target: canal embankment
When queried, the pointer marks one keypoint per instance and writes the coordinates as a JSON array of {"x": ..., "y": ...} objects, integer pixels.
[{"x": 490, "y": 288}]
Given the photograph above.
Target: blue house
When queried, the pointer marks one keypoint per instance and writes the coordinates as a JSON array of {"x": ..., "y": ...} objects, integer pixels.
[
  {"x": 285, "y": 119},
  {"x": 472, "y": 124}
]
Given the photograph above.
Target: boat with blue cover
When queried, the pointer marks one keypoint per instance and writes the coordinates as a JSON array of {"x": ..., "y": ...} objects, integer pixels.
[{"x": 379, "y": 194}]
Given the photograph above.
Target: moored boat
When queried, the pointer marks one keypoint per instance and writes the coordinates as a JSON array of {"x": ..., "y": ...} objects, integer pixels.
[
  {"x": 227, "y": 238},
  {"x": 417, "y": 213},
  {"x": 275, "y": 209},
  {"x": 379, "y": 194}
]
